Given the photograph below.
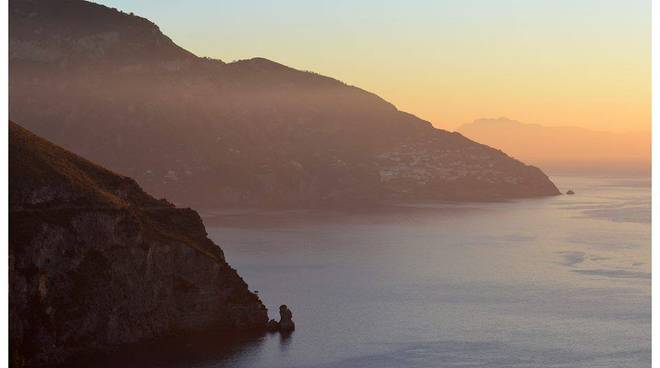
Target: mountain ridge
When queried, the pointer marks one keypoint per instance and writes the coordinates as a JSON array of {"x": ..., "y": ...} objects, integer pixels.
[{"x": 250, "y": 133}]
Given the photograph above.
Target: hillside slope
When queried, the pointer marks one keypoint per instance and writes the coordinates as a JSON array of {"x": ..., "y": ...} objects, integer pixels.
[
  {"x": 95, "y": 262},
  {"x": 248, "y": 133}
]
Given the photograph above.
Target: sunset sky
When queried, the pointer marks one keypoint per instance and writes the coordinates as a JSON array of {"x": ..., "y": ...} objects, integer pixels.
[{"x": 552, "y": 62}]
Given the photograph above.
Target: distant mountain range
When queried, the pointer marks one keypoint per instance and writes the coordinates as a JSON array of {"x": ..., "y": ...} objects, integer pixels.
[
  {"x": 111, "y": 87},
  {"x": 565, "y": 149}
]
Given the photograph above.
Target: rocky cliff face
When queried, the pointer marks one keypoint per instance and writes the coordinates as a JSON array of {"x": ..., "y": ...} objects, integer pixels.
[
  {"x": 111, "y": 87},
  {"x": 95, "y": 261}
]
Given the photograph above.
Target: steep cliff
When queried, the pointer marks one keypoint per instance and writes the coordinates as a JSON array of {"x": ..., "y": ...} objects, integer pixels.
[
  {"x": 111, "y": 87},
  {"x": 95, "y": 261}
]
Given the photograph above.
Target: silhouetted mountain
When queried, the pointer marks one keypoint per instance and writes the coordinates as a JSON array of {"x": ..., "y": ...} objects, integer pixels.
[
  {"x": 565, "y": 149},
  {"x": 248, "y": 133},
  {"x": 95, "y": 262}
]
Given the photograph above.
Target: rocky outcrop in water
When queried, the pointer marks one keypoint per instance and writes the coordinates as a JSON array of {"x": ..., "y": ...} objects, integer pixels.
[
  {"x": 285, "y": 325},
  {"x": 286, "y": 319},
  {"x": 95, "y": 262},
  {"x": 111, "y": 87}
]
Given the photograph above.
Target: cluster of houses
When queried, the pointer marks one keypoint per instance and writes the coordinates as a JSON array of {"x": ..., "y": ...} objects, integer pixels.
[{"x": 422, "y": 163}]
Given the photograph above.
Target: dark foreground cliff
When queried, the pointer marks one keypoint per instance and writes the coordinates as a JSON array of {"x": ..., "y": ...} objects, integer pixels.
[
  {"x": 96, "y": 262},
  {"x": 111, "y": 87}
]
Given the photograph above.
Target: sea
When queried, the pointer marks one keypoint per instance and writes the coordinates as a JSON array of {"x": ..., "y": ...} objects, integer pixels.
[{"x": 561, "y": 281}]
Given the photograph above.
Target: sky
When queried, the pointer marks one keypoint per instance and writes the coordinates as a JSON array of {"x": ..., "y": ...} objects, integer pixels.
[{"x": 580, "y": 63}]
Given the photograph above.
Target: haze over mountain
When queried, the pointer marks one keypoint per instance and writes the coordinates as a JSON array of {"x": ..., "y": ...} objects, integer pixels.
[
  {"x": 565, "y": 149},
  {"x": 111, "y": 87}
]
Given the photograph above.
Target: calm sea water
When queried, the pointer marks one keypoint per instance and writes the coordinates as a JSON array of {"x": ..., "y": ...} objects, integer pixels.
[{"x": 561, "y": 282}]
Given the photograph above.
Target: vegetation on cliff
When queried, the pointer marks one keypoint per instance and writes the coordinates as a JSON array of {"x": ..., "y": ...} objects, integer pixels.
[{"x": 96, "y": 262}]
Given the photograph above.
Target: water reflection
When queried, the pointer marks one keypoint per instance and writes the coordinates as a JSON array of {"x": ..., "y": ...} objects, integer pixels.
[
  {"x": 199, "y": 350},
  {"x": 285, "y": 340}
]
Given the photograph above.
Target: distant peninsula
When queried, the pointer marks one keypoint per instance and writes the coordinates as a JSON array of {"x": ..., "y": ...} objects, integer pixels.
[{"x": 565, "y": 149}]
